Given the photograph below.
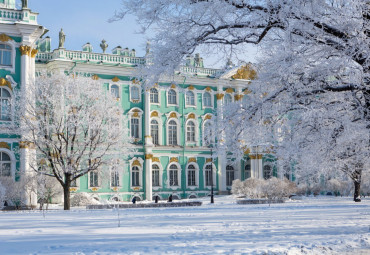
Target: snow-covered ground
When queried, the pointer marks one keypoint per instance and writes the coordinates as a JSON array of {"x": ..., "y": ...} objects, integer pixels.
[{"x": 324, "y": 225}]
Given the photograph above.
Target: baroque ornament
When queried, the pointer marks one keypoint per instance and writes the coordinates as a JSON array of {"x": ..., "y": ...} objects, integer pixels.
[
  {"x": 34, "y": 53},
  {"x": 219, "y": 96},
  {"x": 194, "y": 160},
  {"x": 238, "y": 97},
  {"x": 25, "y": 50},
  {"x": 5, "y": 82},
  {"x": 154, "y": 114},
  {"x": 137, "y": 162},
  {"x": 191, "y": 116},
  {"x": 115, "y": 79},
  {"x": 245, "y": 73},
  {"x": 4, "y": 145},
  {"x": 5, "y": 38},
  {"x": 174, "y": 159}
]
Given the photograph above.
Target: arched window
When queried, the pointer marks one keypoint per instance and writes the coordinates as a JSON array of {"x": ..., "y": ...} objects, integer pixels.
[
  {"x": 5, "y": 110},
  {"x": 114, "y": 178},
  {"x": 227, "y": 99},
  {"x": 5, "y": 55},
  {"x": 135, "y": 176},
  {"x": 230, "y": 175},
  {"x": 154, "y": 131},
  {"x": 207, "y": 102},
  {"x": 94, "y": 179},
  {"x": 155, "y": 176},
  {"x": 5, "y": 165},
  {"x": 190, "y": 132},
  {"x": 209, "y": 175},
  {"x": 267, "y": 172},
  {"x": 114, "y": 90},
  {"x": 191, "y": 175},
  {"x": 172, "y": 97},
  {"x": 247, "y": 170},
  {"x": 190, "y": 98},
  {"x": 208, "y": 134},
  {"x": 174, "y": 175},
  {"x": 172, "y": 132},
  {"x": 135, "y": 93},
  {"x": 153, "y": 95},
  {"x": 135, "y": 127}
]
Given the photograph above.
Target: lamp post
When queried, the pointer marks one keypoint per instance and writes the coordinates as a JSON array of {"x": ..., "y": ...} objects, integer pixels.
[{"x": 212, "y": 198}]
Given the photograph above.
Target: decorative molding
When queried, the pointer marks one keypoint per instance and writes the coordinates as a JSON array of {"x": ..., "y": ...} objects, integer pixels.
[
  {"x": 173, "y": 115},
  {"x": 245, "y": 73},
  {"x": 148, "y": 136},
  {"x": 154, "y": 114},
  {"x": 4, "y": 145},
  {"x": 238, "y": 97},
  {"x": 208, "y": 89},
  {"x": 73, "y": 189},
  {"x": 95, "y": 77},
  {"x": 191, "y": 87},
  {"x": 229, "y": 90},
  {"x": 115, "y": 188},
  {"x": 94, "y": 189},
  {"x": 135, "y": 81},
  {"x": 173, "y": 86},
  {"x": 25, "y": 50},
  {"x": 27, "y": 145},
  {"x": 34, "y": 53},
  {"x": 247, "y": 91},
  {"x": 135, "y": 115},
  {"x": 247, "y": 151},
  {"x": 191, "y": 116},
  {"x": 209, "y": 160},
  {"x": 156, "y": 159},
  {"x": 5, "y": 82},
  {"x": 208, "y": 117},
  {"x": 115, "y": 79},
  {"x": 137, "y": 162},
  {"x": 192, "y": 160},
  {"x": 148, "y": 156},
  {"x": 174, "y": 159},
  {"x": 219, "y": 96},
  {"x": 5, "y": 38},
  {"x": 258, "y": 156}
]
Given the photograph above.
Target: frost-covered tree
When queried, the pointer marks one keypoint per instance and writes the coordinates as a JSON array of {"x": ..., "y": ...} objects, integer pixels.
[
  {"x": 312, "y": 99},
  {"x": 75, "y": 125}
]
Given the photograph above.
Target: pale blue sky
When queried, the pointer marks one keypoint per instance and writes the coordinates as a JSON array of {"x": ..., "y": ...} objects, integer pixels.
[{"x": 87, "y": 21}]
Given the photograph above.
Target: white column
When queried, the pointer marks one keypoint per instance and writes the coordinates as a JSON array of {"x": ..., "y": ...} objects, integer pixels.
[
  {"x": 221, "y": 158},
  {"x": 148, "y": 177},
  {"x": 148, "y": 138}
]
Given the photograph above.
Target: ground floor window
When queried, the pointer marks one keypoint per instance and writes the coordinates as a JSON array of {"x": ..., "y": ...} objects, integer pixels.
[
  {"x": 191, "y": 175},
  {"x": 94, "y": 179},
  {"x": 135, "y": 176},
  {"x": 247, "y": 171},
  {"x": 155, "y": 176},
  {"x": 230, "y": 175},
  {"x": 208, "y": 175},
  {"x": 267, "y": 172},
  {"x": 173, "y": 175}
]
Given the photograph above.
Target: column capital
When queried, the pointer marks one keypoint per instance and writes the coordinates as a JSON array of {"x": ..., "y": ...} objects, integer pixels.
[{"x": 25, "y": 50}]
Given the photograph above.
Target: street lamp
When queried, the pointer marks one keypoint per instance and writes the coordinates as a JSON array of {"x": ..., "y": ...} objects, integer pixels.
[{"x": 212, "y": 199}]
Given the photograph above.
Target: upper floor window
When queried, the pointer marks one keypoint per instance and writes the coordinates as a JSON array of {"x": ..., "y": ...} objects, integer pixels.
[
  {"x": 135, "y": 93},
  {"x": 227, "y": 99},
  {"x": 5, "y": 165},
  {"x": 114, "y": 90},
  {"x": 153, "y": 95},
  {"x": 207, "y": 100},
  {"x": 190, "y": 100},
  {"x": 190, "y": 132},
  {"x": 135, "y": 127},
  {"x": 172, "y": 132},
  {"x": 208, "y": 134},
  {"x": 94, "y": 179},
  {"x": 172, "y": 97},
  {"x": 154, "y": 132},
  {"x": 135, "y": 176},
  {"x": 5, "y": 98},
  {"x": 5, "y": 55},
  {"x": 230, "y": 175}
]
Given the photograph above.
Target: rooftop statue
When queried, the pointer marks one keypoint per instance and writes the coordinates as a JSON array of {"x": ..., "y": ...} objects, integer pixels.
[
  {"x": 62, "y": 38},
  {"x": 104, "y": 45},
  {"x": 24, "y": 4}
]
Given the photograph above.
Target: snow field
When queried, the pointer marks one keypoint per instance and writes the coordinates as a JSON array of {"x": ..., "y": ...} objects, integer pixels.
[{"x": 325, "y": 225}]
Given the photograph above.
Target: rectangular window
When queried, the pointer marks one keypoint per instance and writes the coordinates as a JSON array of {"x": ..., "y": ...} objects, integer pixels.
[
  {"x": 5, "y": 169},
  {"x": 94, "y": 179},
  {"x": 115, "y": 179},
  {"x": 135, "y": 128},
  {"x": 173, "y": 178},
  {"x": 208, "y": 178},
  {"x": 155, "y": 178},
  {"x": 135, "y": 179},
  {"x": 229, "y": 177},
  {"x": 191, "y": 177}
]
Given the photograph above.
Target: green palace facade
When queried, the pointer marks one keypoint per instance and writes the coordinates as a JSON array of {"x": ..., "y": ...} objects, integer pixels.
[{"x": 167, "y": 121}]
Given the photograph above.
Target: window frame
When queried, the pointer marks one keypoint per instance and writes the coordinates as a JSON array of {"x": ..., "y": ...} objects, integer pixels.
[
  {"x": 118, "y": 91},
  {"x": 135, "y": 100},
  {"x": 210, "y": 100},
  {"x": 194, "y": 98},
  {"x": 177, "y": 135},
  {"x": 176, "y": 97},
  {"x": 9, "y": 99},
  {"x": 152, "y": 95},
  {"x": 12, "y": 44},
  {"x": 195, "y": 169},
  {"x": 228, "y": 172},
  {"x": 178, "y": 173}
]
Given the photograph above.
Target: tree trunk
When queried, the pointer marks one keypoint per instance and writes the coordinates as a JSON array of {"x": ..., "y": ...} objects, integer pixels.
[
  {"x": 356, "y": 196},
  {"x": 67, "y": 196}
]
